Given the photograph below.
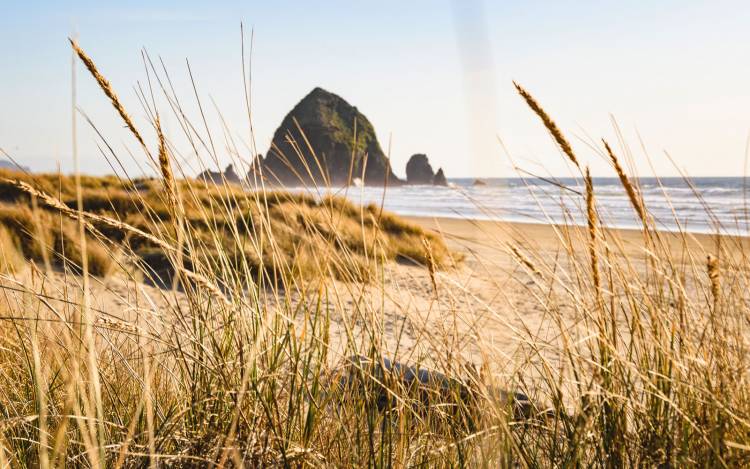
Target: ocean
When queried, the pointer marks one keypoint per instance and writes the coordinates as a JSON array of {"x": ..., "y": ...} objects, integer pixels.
[{"x": 706, "y": 205}]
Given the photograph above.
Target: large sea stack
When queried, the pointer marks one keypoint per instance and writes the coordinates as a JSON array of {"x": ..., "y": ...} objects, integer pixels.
[
  {"x": 219, "y": 177},
  {"x": 315, "y": 145}
]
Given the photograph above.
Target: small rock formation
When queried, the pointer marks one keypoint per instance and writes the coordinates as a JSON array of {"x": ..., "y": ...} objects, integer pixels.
[
  {"x": 219, "y": 177},
  {"x": 315, "y": 145},
  {"x": 440, "y": 179},
  {"x": 210, "y": 176},
  {"x": 418, "y": 170},
  {"x": 230, "y": 175},
  {"x": 478, "y": 182}
]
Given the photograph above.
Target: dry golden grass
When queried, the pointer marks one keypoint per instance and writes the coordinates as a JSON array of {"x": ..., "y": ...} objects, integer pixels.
[
  {"x": 11, "y": 259},
  {"x": 302, "y": 227},
  {"x": 549, "y": 124},
  {"x": 108, "y": 90},
  {"x": 635, "y": 199},
  {"x": 44, "y": 236}
]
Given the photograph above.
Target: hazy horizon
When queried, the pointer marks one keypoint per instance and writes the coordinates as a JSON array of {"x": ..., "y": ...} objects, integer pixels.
[{"x": 433, "y": 78}]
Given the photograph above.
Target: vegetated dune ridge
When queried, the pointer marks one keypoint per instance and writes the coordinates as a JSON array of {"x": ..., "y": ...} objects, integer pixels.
[{"x": 250, "y": 225}]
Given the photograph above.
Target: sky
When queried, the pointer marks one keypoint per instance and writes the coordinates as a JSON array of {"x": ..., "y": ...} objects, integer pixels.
[{"x": 433, "y": 77}]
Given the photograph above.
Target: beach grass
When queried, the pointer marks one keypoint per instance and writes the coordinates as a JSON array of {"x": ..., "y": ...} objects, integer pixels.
[
  {"x": 238, "y": 367},
  {"x": 258, "y": 230}
]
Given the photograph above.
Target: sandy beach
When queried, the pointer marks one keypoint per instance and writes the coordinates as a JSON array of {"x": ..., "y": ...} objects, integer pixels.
[
  {"x": 488, "y": 309},
  {"x": 485, "y": 303},
  {"x": 485, "y": 237}
]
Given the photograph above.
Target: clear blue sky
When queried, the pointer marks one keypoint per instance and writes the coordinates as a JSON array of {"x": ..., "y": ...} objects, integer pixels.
[{"x": 432, "y": 76}]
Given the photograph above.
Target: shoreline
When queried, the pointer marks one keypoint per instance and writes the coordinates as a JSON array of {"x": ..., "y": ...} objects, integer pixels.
[{"x": 486, "y": 237}]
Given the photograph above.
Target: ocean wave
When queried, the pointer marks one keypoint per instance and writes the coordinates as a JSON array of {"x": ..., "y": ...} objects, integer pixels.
[{"x": 537, "y": 201}]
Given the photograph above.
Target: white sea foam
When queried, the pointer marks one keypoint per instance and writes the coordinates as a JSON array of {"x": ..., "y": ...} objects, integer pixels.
[{"x": 671, "y": 201}]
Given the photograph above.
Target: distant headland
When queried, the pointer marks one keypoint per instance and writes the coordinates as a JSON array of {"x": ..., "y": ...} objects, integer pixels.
[{"x": 5, "y": 164}]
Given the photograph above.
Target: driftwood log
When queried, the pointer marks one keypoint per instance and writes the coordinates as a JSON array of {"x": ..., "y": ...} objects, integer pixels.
[{"x": 378, "y": 378}]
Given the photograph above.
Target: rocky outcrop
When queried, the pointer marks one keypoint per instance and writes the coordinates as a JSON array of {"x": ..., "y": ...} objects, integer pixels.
[
  {"x": 220, "y": 177},
  {"x": 439, "y": 179},
  {"x": 230, "y": 175},
  {"x": 325, "y": 140},
  {"x": 418, "y": 170},
  {"x": 478, "y": 182}
]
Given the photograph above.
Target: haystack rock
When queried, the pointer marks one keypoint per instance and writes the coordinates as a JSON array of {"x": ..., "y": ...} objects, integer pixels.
[
  {"x": 440, "y": 179},
  {"x": 315, "y": 145},
  {"x": 418, "y": 170}
]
